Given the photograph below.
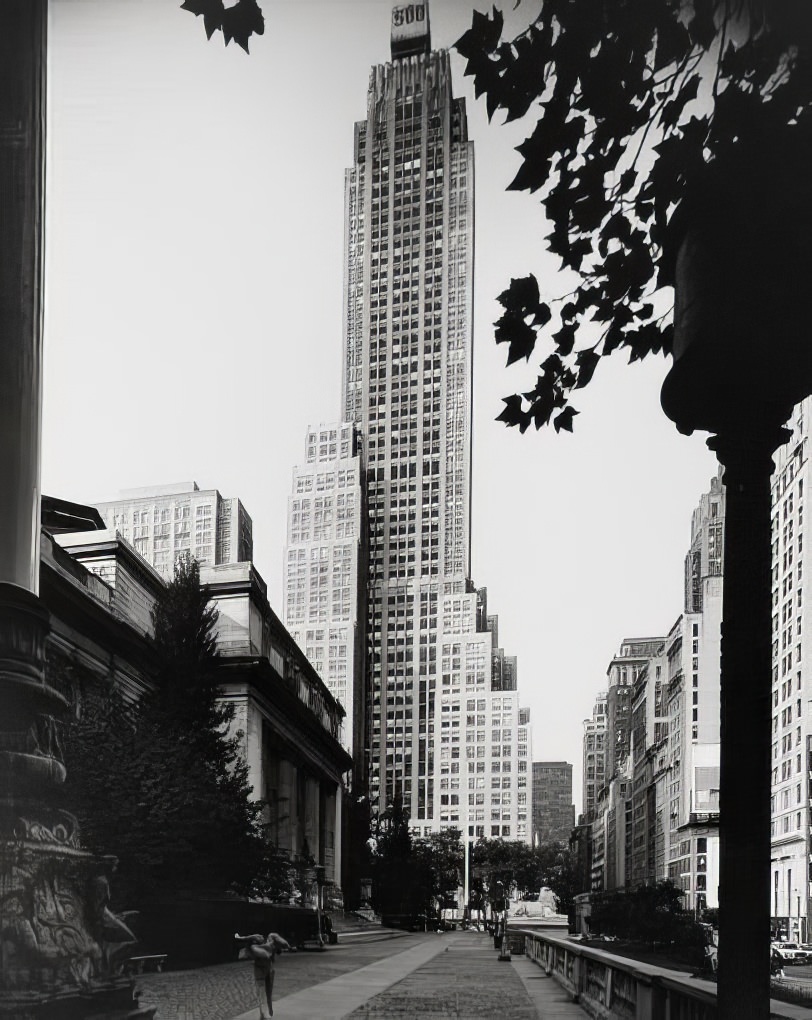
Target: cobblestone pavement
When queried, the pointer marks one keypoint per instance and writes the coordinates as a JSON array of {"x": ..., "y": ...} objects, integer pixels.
[
  {"x": 466, "y": 981},
  {"x": 226, "y": 990}
]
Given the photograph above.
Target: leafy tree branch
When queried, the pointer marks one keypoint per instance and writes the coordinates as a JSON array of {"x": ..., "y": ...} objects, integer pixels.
[{"x": 635, "y": 101}]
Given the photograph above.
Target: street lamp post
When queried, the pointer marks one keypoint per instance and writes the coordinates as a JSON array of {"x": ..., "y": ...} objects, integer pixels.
[
  {"x": 466, "y": 866},
  {"x": 742, "y": 245}
]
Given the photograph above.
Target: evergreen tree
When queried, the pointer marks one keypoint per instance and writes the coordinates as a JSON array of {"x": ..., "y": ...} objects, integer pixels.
[
  {"x": 394, "y": 880},
  {"x": 161, "y": 785},
  {"x": 184, "y": 620}
]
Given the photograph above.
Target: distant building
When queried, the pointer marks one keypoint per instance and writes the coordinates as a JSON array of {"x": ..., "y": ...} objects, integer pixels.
[
  {"x": 656, "y": 813},
  {"x": 408, "y": 288},
  {"x": 594, "y": 757},
  {"x": 612, "y": 835},
  {"x": 325, "y": 572},
  {"x": 693, "y": 652},
  {"x": 553, "y": 809},
  {"x": 524, "y": 785},
  {"x": 790, "y": 887},
  {"x": 161, "y": 522},
  {"x": 481, "y": 733},
  {"x": 649, "y": 757},
  {"x": 621, "y": 673}
]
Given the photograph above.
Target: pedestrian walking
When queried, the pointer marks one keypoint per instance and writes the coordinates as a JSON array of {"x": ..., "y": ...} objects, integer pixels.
[{"x": 262, "y": 952}]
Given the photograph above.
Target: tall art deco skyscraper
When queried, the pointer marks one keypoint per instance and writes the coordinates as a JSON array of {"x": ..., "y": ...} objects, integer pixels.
[{"x": 407, "y": 387}]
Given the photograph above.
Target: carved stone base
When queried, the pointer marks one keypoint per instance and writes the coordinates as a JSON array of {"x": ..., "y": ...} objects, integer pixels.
[{"x": 60, "y": 945}]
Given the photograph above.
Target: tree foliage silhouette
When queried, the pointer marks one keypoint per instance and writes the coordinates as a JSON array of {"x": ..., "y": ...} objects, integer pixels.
[
  {"x": 238, "y": 22},
  {"x": 636, "y": 100},
  {"x": 160, "y": 784}
]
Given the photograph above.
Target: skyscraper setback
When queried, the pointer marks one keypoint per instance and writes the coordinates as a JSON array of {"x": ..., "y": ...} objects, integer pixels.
[{"x": 407, "y": 387}]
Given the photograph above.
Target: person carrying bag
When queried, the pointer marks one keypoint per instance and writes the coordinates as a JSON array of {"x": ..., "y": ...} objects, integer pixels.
[{"x": 262, "y": 952}]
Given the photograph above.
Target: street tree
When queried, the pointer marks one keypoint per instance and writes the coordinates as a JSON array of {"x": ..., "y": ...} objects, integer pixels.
[
  {"x": 556, "y": 871},
  {"x": 509, "y": 863},
  {"x": 439, "y": 863},
  {"x": 396, "y": 887}
]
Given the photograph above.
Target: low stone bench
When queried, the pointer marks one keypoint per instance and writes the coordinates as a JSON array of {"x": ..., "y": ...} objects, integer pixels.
[{"x": 138, "y": 964}]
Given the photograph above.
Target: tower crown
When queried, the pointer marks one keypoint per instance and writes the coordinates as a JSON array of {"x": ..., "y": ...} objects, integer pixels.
[{"x": 411, "y": 34}]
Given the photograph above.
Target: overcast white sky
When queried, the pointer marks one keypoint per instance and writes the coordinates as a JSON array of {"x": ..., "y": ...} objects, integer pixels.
[{"x": 194, "y": 310}]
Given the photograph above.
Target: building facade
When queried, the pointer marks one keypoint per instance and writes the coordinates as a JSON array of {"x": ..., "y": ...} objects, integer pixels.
[
  {"x": 165, "y": 521},
  {"x": 325, "y": 572},
  {"x": 480, "y": 736},
  {"x": 612, "y": 815},
  {"x": 657, "y": 814},
  {"x": 443, "y": 721},
  {"x": 290, "y": 724},
  {"x": 594, "y": 757},
  {"x": 621, "y": 674},
  {"x": 649, "y": 756},
  {"x": 693, "y": 651},
  {"x": 553, "y": 809},
  {"x": 791, "y": 685}
]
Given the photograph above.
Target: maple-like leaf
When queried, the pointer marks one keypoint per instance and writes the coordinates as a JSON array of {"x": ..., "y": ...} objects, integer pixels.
[
  {"x": 522, "y": 296},
  {"x": 587, "y": 363},
  {"x": 211, "y": 10},
  {"x": 542, "y": 407},
  {"x": 512, "y": 329},
  {"x": 483, "y": 36},
  {"x": 565, "y": 338},
  {"x": 512, "y": 413},
  {"x": 242, "y": 21},
  {"x": 564, "y": 419}
]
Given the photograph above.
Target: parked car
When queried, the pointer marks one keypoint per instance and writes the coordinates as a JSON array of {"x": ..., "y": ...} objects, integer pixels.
[{"x": 790, "y": 952}]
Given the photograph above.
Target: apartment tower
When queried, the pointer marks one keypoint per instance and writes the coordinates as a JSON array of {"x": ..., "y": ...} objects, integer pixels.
[
  {"x": 162, "y": 522},
  {"x": 325, "y": 571},
  {"x": 553, "y": 810},
  {"x": 790, "y": 887},
  {"x": 407, "y": 387}
]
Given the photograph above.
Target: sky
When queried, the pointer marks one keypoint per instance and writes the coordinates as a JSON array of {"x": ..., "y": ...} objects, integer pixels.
[{"x": 193, "y": 322}]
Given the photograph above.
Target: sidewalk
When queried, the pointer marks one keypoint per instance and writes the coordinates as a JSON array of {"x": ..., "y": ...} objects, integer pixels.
[{"x": 454, "y": 976}]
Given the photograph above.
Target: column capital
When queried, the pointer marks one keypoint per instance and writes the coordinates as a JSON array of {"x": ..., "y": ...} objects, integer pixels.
[{"x": 749, "y": 451}]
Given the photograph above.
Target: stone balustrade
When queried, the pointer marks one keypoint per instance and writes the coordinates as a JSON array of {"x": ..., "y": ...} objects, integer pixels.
[{"x": 608, "y": 986}]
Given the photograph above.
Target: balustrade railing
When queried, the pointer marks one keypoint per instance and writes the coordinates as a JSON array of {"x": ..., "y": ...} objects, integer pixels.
[{"x": 609, "y": 987}]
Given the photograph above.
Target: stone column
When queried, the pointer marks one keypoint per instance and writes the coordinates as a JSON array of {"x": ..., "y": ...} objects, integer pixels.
[
  {"x": 288, "y": 807},
  {"x": 22, "y": 116},
  {"x": 311, "y": 815},
  {"x": 54, "y": 916},
  {"x": 746, "y": 724},
  {"x": 337, "y": 801}
]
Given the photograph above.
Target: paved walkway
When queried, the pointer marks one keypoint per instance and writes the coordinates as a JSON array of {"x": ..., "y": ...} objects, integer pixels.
[
  {"x": 455, "y": 976},
  {"x": 225, "y": 990}
]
